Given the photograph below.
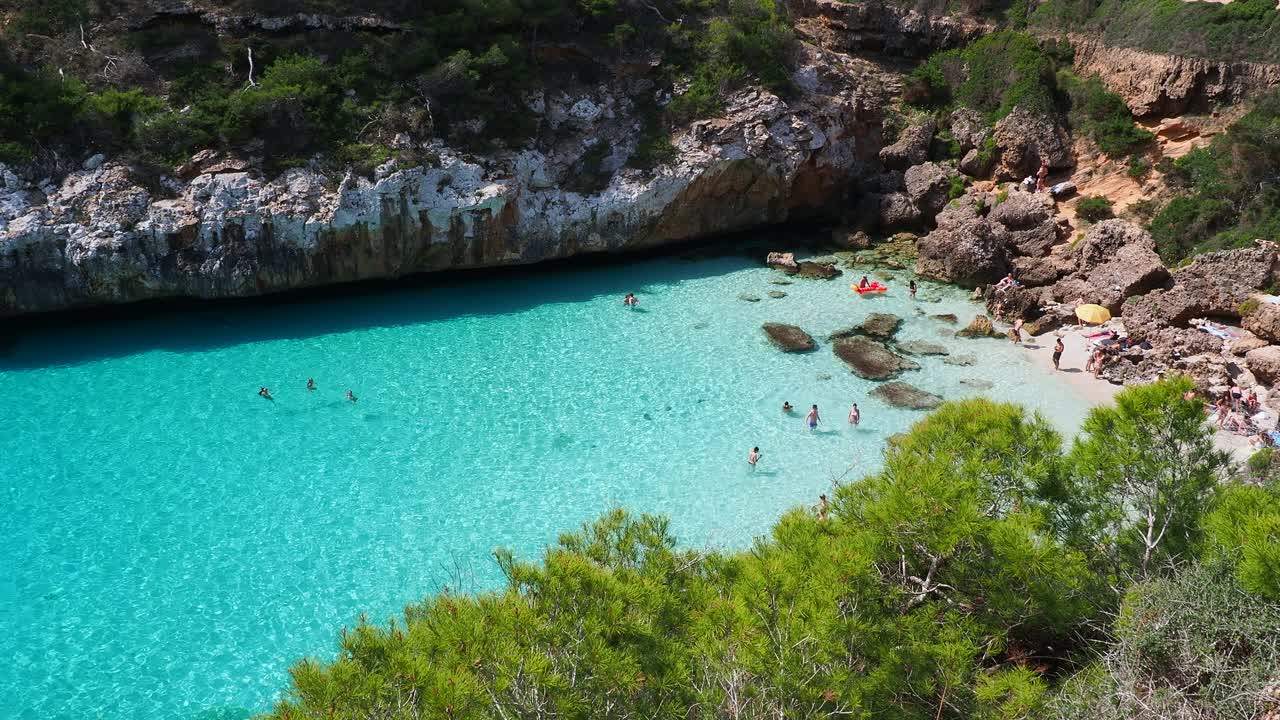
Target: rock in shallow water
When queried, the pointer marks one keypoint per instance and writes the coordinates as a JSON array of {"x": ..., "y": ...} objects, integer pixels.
[
  {"x": 977, "y": 383},
  {"x": 979, "y": 327},
  {"x": 903, "y": 395},
  {"x": 961, "y": 360},
  {"x": 922, "y": 347},
  {"x": 880, "y": 326},
  {"x": 777, "y": 294},
  {"x": 870, "y": 360},
  {"x": 789, "y": 338},
  {"x": 749, "y": 297}
]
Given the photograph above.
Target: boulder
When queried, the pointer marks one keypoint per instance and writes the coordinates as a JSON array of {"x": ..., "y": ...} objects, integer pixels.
[
  {"x": 1015, "y": 302},
  {"x": 902, "y": 395},
  {"x": 1039, "y": 271},
  {"x": 846, "y": 239},
  {"x": 1022, "y": 210},
  {"x": 1115, "y": 260},
  {"x": 1264, "y": 322},
  {"x": 1264, "y": 363},
  {"x": 821, "y": 271},
  {"x": 922, "y": 347},
  {"x": 1025, "y": 139},
  {"x": 782, "y": 261},
  {"x": 1241, "y": 346},
  {"x": 881, "y": 326},
  {"x": 928, "y": 188},
  {"x": 912, "y": 146},
  {"x": 975, "y": 164},
  {"x": 979, "y": 327},
  {"x": 870, "y": 360},
  {"x": 789, "y": 338},
  {"x": 965, "y": 248},
  {"x": 1214, "y": 285},
  {"x": 892, "y": 210},
  {"x": 969, "y": 128}
]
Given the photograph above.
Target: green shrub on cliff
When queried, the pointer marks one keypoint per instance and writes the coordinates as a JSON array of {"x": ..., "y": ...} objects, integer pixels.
[
  {"x": 1102, "y": 116},
  {"x": 1231, "y": 189},
  {"x": 1094, "y": 208},
  {"x": 993, "y": 75}
]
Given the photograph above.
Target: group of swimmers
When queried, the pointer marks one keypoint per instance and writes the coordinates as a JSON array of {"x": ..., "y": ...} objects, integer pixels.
[
  {"x": 265, "y": 392},
  {"x": 811, "y": 420}
]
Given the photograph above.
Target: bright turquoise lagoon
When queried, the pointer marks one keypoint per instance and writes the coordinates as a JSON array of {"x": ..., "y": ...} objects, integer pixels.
[{"x": 171, "y": 543}]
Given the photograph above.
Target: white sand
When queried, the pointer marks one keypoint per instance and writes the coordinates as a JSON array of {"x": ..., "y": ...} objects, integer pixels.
[{"x": 1098, "y": 391}]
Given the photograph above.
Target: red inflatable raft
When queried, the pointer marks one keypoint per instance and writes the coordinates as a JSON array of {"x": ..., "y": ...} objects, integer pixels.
[{"x": 871, "y": 289}]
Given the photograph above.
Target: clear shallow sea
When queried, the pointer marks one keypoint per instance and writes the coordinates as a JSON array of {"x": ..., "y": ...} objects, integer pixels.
[{"x": 170, "y": 542}]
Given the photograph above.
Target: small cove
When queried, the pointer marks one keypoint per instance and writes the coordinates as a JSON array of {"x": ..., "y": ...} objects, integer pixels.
[{"x": 173, "y": 543}]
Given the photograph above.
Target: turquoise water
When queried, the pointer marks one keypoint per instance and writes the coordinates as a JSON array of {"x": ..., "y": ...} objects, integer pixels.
[{"x": 170, "y": 542}]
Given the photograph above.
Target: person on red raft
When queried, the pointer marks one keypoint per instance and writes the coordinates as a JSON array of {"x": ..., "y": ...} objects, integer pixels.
[{"x": 864, "y": 283}]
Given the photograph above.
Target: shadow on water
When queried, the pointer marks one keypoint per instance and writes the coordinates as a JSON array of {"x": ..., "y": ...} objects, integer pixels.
[{"x": 184, "y": 326}]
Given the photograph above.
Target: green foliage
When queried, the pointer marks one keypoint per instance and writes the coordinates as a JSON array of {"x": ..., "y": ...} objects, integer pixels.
[
  {"x": 1249, "y": 306},
  {"x": 1243, "y": 532},
  {"x": 959, "y": 184},
  {"x": 35, "y": 108},
  {"x": 1103, "y": 116},
  {"x": 1231, "y": 189},
  {"x": 1139, "y": 168},
  {"x": 1144, "y": 470},
  {"x": 1189, "y": 646},
  {"x": 1239, "y": 30},
  {"x": 993, "y": 75},
  {"x": 1094, "y": 208}
]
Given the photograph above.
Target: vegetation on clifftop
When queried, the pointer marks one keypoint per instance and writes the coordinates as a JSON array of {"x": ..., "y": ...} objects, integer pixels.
[
  {"x": 976, "y": 575},
  {"x": 456, "y": 69}
]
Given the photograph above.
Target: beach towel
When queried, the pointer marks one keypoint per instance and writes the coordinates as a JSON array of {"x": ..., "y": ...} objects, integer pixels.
[
  {"x": 1100, "y": 334},
  {"x": 1275, "y": 437}
]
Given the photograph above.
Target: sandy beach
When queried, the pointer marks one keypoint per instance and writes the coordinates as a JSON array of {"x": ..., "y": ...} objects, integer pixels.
[{"x": 1097, "y": 391}]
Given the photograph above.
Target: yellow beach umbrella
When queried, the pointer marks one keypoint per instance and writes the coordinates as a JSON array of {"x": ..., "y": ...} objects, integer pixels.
[{"x": 1093, "y": 313}]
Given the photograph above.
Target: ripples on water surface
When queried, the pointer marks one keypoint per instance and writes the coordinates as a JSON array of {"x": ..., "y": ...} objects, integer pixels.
[{"x": 170, "y": 542}]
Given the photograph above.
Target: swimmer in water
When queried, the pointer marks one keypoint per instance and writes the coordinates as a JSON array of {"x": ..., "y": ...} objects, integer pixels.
[
  {"x": 753, "y": 457},
  {"x": 812, "y": 419},
  {"x": 311, "y": 383},
  {"x": 912, "y": 288},
  {"x": 630, "y": 300},
  {"x": 351, "y": 396},
  {"x": 786, "y": 407},
  {"x": 855, "y": 415},
  {"x": 265, "y": 393}
]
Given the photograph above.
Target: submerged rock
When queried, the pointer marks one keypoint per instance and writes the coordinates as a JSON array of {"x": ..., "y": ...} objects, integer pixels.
[
  {"x": 961, "y": 360},
  {"x": 948, "y": 318},
  {"x": 789, "y": 338},
  {"x": 903, "y": 395},
  {"x": 777, "y": 294},
  {"x": 881, "y": 326},
  {"x": 818, "y": 270},
  {"x": 749, "y": 297},
  {"x": 922, "y": 347},
  {"x": 977, "y": 383},
  {"x": 870, "y": 360}
]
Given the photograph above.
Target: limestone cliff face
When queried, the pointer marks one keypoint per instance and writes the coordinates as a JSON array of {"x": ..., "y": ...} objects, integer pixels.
[
  {"x": 102, "y": 236},
  {"x": 1167, "y": 85},
  {"x": 876, "y": 26}
]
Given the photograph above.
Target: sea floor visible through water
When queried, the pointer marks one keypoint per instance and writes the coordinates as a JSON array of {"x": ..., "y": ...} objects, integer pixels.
[{"x": 171, "y": 542}]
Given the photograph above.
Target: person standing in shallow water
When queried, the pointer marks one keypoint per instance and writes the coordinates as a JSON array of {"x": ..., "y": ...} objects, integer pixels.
[
  {"x": 1058, "y": 347},
  {"x": 351, "y": 396},
  {"x": 912, "y": 288},
  {"x": 812, "y": 418},
  {"x": 311, "y": 383},
  {"x": 855, "y": 415},
  {"x": 630, "y": 300},
  {"x": 753, "y": 457}
]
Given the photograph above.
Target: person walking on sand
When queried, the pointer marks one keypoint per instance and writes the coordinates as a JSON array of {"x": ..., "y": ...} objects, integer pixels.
[
  {"x": 753, "y": 457},
  {"x": 1058, "y": 347},
  {"x": 1099, "y": 359},
  {"x": 855, "y": 415},
  {"x": 812, "y": 419},
  {"x": 912, "y": 288}
]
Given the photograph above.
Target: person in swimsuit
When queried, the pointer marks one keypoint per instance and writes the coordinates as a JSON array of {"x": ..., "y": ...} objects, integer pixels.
[
  {"x": 863, "y": 284},
  {"x": 912, "y": 288},
  {"x": 786, "y": 407},
  {"x": 1058, "y": 347},
  {"x": 630, "y": 300},
  {"x": 753, "y": 457},
  {"x": 311, "y": 383},
  {"x": 812, "y": 418},
  {"x": 1015, "y": 333},
  {"x": 855, "y": 415},
  {"x": 265, "y": 393},
  {"x": 1041, "y": 175},
  {"x": 351, "y": 396},
  {"x": 822, "y": 508},
  {"x": 1222, "y": 410}
]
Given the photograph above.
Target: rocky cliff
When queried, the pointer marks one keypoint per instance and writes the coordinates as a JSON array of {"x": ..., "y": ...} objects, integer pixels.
[
  {"x": 1168, "y": 85},
  {"x": 104, "y": 236}
]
